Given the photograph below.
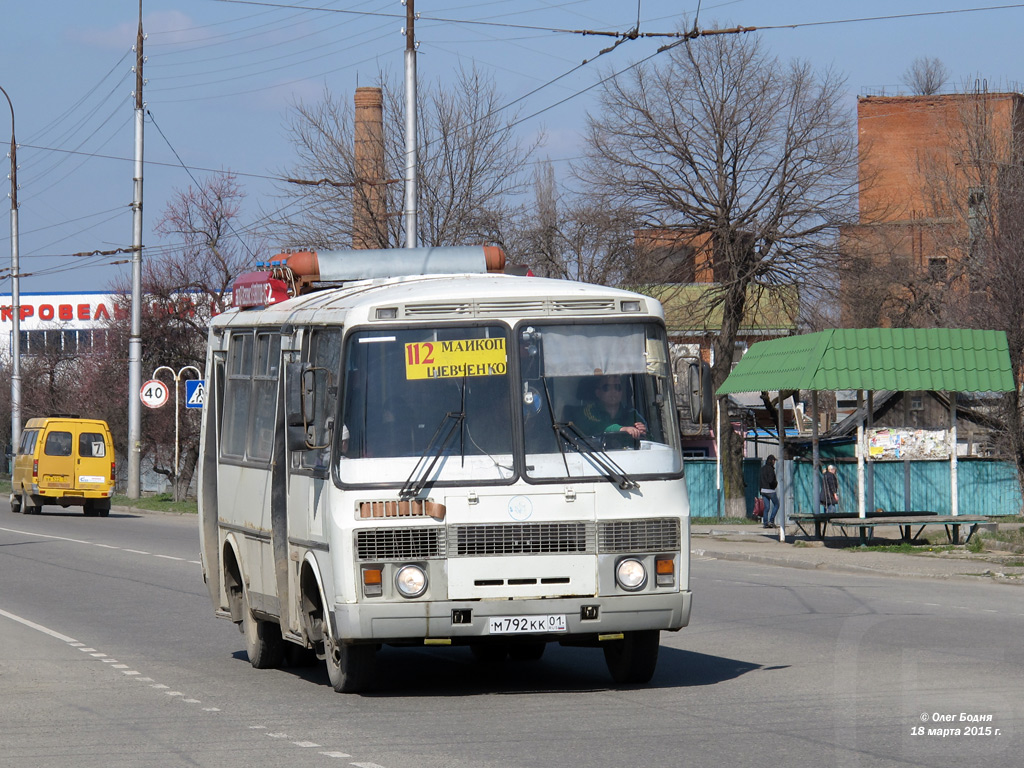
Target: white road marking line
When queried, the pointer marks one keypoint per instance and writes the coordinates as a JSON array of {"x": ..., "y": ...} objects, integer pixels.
[
  {"x": 95, "y": 544},
  {"x": 160, "y": 686},
  {"x": 39, "y": 628}
]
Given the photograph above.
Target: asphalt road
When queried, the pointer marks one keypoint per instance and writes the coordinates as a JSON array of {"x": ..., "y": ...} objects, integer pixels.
[{"x": 110, "y": 656}]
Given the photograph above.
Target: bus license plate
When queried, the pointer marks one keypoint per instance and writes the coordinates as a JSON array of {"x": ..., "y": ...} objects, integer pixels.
[{"x": 519, "y": 625}]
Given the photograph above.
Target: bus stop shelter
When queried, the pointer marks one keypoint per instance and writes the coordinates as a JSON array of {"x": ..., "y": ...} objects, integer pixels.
[{"x": 948, "y": 360}]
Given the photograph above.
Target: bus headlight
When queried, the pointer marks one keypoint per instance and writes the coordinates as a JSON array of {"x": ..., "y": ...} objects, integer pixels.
[
  {"x": 631, "y": 575},
  {"x": 411, "y": 581}
]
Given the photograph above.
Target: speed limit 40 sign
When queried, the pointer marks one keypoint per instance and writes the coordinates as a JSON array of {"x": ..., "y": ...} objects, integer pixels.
[{"x": 153, "y": 393}]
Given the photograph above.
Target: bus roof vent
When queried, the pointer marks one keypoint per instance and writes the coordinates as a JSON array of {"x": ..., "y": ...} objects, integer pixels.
[
  {"x": 576, "y": 306},
  {"x": 510, "y": 307},
  {"x": 437, "y": 309}
]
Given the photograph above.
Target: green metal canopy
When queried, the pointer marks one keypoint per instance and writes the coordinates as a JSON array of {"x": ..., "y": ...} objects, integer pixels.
[{"x": 901, "y": 359}]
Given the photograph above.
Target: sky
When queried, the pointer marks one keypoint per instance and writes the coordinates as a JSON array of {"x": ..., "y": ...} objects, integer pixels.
[{"x": 223, "y": 76}]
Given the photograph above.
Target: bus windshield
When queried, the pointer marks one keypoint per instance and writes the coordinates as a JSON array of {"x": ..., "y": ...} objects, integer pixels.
[
  {"x": 431, "y": 400},
  {"x": 595, "y": 402}
]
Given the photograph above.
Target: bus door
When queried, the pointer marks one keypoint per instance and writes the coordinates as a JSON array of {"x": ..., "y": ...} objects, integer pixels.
[{"x": 310, "y": 481}]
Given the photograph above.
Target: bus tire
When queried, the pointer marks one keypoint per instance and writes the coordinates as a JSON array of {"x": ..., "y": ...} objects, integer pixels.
[
  {"x": 631, "y": 661},
  {"x": 494, "y": 652},
  {"x": 30, "y": 506},
  {"x": 15, "y": 503},
  {"x": 88, "y": 509},
  {"x": 527, "y": 651},
  {"x": 350, "y": 668},
  {"x": 263, "y": 642}
]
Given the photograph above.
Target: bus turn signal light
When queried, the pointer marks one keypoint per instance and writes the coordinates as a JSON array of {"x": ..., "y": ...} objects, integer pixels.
[
  {"x": 373, "y": 582},
  {"x": 665, "y": 568}
]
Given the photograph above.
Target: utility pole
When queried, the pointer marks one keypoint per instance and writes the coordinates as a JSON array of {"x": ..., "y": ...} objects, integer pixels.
[
  {"x": 135, "y": 339},
  {"x": 410, "y": 126},
  {"x": 15, "y": 294}
]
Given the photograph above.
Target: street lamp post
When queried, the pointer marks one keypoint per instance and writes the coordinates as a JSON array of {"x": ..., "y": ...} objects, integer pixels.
[
  {"x": 177, "y": 378},
  {"x": 15, "y": 293}
]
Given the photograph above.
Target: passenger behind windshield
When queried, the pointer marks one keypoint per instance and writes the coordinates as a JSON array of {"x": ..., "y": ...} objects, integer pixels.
[{"x": 607, "y": 408}]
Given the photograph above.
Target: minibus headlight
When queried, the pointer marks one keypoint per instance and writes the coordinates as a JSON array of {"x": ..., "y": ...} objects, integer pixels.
[
  {"x": 631, "y": 575},
  {"x": 411, "y": 581}
]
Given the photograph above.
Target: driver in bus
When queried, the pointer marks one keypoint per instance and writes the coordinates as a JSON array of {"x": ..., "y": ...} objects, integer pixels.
[{"x": 609, "y": 410}]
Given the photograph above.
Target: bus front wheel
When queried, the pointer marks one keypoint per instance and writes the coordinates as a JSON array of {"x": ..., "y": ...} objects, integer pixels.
[
  {"x": 349, "y": 667},
  {"x": 632, "y": 659}
]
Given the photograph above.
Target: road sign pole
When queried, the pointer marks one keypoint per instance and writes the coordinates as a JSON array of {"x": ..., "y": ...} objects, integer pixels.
[{"x": 177, "y": 449}]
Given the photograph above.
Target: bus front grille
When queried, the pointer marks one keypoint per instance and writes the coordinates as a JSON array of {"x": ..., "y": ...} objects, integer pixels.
[
  {"x": 399, "y": 543},
  {"x": 522, "y": 539},
  {"x": 652, "y": 535}
]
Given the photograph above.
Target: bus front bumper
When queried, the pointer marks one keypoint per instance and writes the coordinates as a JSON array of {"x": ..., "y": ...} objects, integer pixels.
[{"x": 464, "y": 620}]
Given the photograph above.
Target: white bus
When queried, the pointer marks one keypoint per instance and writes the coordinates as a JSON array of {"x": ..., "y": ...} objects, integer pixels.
[{"x": 392, "y": 456}]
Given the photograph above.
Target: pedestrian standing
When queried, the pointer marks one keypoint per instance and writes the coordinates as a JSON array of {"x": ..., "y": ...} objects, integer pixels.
[
  {"x": 830, "y": 490},
  {"x": 769, "y": 490}
]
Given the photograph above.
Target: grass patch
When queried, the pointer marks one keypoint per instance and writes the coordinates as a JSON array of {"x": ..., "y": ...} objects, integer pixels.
[
  {"x": 903, "y": 548},
  {"x": 162, "y": 502}
]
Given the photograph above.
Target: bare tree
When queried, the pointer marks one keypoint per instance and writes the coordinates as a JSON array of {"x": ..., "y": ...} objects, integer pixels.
[
  {"x": 926, "y": 76},
  {"x": 978, "y": 182},
  {"x": 470, "y": 168},
  {"x": 573, "y": 237},
  {"x": 725, "y": 144},
  {"x": 184, "y": 283}
]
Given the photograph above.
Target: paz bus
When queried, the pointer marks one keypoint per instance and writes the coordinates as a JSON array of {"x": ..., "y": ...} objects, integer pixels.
[{"x": 394, "y": 451}]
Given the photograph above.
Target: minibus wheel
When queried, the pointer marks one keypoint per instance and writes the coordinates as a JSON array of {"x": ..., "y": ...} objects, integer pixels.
[
  {"x": 632, "y": 660},
  {"x": 263, "y": 642},
  {"x": 349, "y": 667},
  {"x": 15, "y": 503}
]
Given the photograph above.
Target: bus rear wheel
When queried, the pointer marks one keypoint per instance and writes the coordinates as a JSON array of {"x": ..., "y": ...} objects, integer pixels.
[
  {"x": 263, "y": 642},
  {"x": 349, "y": 667},
  {"x": 631, "y": 661}
]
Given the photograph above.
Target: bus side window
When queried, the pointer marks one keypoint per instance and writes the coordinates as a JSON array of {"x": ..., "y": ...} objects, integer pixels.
[{"x": 323, "y": 353}]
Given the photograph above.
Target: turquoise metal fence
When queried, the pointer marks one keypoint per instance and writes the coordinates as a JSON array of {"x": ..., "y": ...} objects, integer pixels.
[{"x": 984, "y": 487}]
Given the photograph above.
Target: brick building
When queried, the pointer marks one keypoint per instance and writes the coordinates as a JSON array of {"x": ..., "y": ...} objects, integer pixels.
[{"x": 930, "y": 172}]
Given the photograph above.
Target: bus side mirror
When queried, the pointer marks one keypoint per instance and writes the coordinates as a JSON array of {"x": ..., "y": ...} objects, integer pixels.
[
  {"x": 300, "y": 402},
  {"x": 700, "y": 393}
]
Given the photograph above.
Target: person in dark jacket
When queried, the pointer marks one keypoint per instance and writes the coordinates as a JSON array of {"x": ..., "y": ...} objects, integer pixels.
[
  {"x": 769, "y": 490},
  {"x": 830, "y": 490}
]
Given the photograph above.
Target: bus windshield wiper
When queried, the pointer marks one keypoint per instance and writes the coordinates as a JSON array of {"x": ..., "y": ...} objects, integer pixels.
[
  {"x": 579, "y": 442},
  {"x": 431, "y": 454}
]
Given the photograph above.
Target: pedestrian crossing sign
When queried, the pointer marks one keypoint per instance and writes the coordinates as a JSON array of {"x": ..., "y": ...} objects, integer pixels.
[{"x": 195, "y": 393}]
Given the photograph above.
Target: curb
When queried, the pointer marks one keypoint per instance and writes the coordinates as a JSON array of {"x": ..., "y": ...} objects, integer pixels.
[{"x": 806, "y": 565}]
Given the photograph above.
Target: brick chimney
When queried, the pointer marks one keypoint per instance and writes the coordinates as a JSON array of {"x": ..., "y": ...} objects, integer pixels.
[{"x": 369, "y": 229}]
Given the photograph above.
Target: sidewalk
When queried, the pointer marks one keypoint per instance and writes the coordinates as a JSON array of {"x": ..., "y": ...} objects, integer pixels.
[{"x": 752, "y": 543}]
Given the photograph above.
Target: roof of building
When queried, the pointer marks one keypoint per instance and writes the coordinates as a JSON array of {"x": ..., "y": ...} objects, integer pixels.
[
  {"x": 697, "y": 307},
  {"x": 903, "y": 359}
]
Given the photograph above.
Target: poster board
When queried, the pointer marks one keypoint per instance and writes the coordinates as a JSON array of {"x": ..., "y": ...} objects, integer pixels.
[{"x": 888, "y": 444}]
